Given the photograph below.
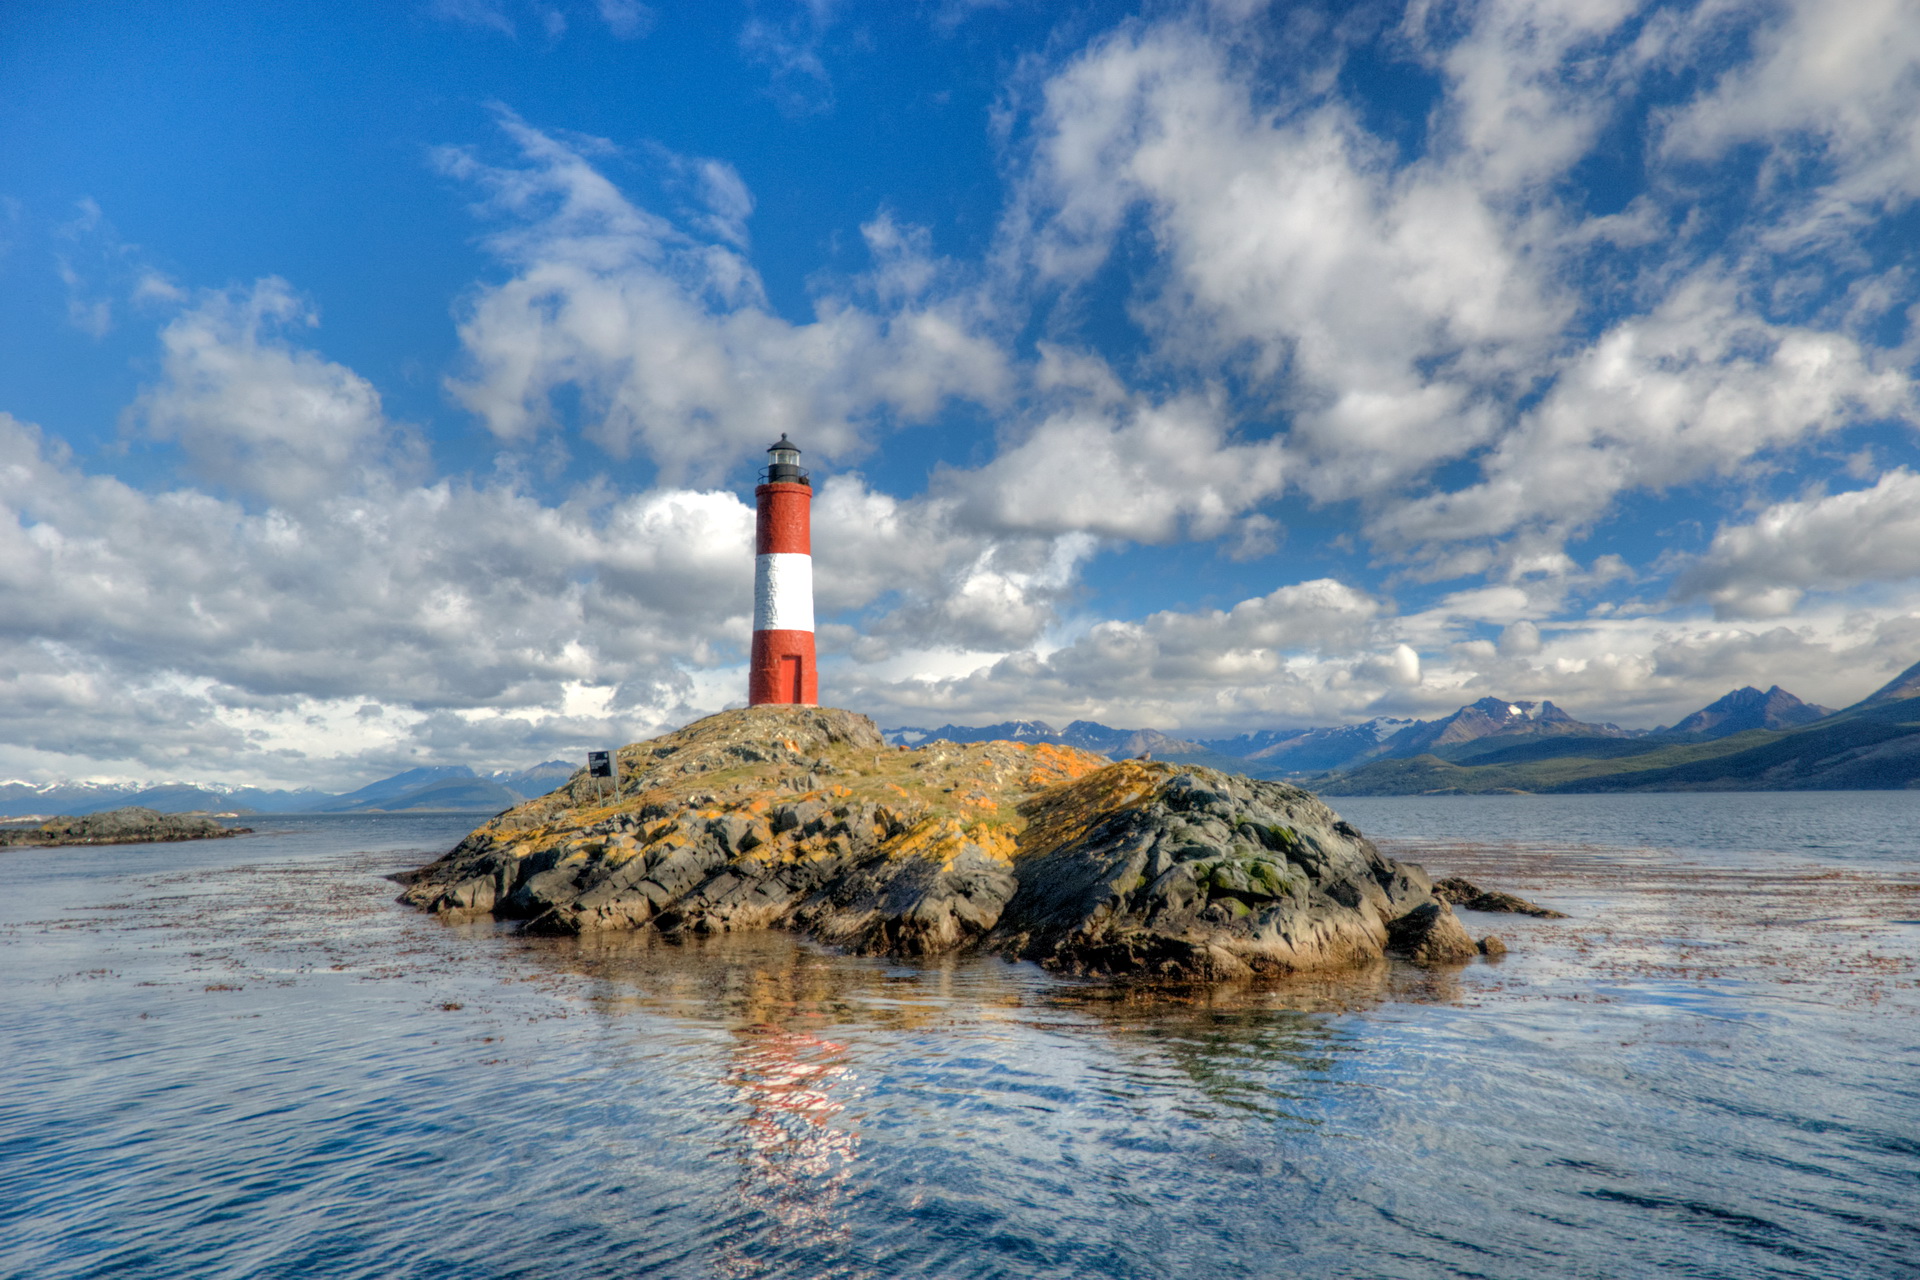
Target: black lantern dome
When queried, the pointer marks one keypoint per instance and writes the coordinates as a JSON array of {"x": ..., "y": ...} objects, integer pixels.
[{"x": 784, "y": 463}]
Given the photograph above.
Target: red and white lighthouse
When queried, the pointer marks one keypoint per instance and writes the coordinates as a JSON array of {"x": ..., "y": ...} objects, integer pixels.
[{"x": 781, "y": 670}]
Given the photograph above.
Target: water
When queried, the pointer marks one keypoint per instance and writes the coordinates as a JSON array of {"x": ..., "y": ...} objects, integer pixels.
[{"x": 242, "y": 1059}]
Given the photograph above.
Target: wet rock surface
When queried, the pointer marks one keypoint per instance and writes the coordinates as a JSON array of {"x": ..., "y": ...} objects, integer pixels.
[
  {"x": 131, "y": 825},
  {"x": 1465, "y": 893},
  {"x": 803, "y": 818}
]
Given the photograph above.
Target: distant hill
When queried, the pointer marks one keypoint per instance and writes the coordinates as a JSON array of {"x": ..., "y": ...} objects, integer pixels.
[
  {"x": 537, "y": 781},
  {"x": 1747, "y": 739},
  {"x": 434, "y": 787},
  {"x": 1005, "y": 731},
  {"x": 1280, "y": 752},
  {"x": 1745, "y": 709},
  {"x": 1493, "y": 718},
  {"x": 1903, "y": 686},
  {"x": 76, "y": 799},
  {"x": 377, "y": 795},
  {"x": 456, "y": 794},
  {"x": 1872, "y": 745}
]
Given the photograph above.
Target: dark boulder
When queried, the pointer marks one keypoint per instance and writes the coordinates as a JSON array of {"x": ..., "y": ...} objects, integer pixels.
[{"x": 1465, "y": 893}]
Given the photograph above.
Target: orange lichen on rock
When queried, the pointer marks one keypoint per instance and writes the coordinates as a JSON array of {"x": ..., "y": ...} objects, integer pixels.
[
  {"x": 1053, "y": 765},
  {"x": 1063, "y": 814}
]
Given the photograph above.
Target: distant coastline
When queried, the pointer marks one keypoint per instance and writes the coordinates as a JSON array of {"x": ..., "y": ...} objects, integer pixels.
[
  {"x": 428, "y": 789},
  {"x": 121, "y": 826}
]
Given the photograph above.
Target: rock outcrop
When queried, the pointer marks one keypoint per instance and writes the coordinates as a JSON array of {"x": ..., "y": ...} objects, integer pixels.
[
  {"x": 132, "y": 825},
  {"x": 1462, "y": 892},
  {"x": 804, "y": 818}
]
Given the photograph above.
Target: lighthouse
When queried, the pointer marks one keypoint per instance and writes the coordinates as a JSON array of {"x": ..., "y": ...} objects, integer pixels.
[{"x": 781, "y": 670}]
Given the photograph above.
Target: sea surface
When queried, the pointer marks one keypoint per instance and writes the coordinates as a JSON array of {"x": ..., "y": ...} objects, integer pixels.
[{"x": 241, "y": 1058}]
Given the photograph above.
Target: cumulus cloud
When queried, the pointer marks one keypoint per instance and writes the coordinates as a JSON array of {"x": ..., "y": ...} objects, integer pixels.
[
  {"x": 1378, "y": 303},
  {"x": 1290, "y": 653},
  {"x": 1519, "y": 639},
  {"x": 669, "y": 339},
  {"x": 1409, "y": 315},
  {"x": 333, "y": 613},
  {"x": 916, "y": 573},
  {"x": 1837, "y": 85},
  {"x": 1136, "y": 470},
  {"x": 1764, "y": 568},
  {"x": 441, "y": 595},
  {"x": 1693, "y": 389},
  {"x": 1322, "y": 652},
  {"x": 1649, "y": 671},
  {"x": 254, "y": 412},
  {"x": 1532, "y": 81},
  {"x": 443, "y": 598}
]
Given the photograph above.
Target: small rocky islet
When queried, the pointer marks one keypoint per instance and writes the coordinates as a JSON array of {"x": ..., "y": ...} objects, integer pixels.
[
  {"x": 804, "y": 818},
  {"x": 129, "y": 825}
]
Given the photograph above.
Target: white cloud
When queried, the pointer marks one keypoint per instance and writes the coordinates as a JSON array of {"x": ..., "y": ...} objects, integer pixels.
[
  {"x": 177, "y": 631},
  {"x": 626, "y": 19},
  {"x": 1138, "y": 471},
  {"x": 1320, "y": 652},
  {"x": 1531, "y": 82},
  {"x": 1649, "y": 671},
  {"x": 1836, "y": 83},
  {"x": 1690, "y": 391},
  {"x": 1406, "y": 665},
  {"x": 1519, "y": 640},
  {"x": 789, "y": 47},
  {"x": 1764, "y": 568},
  {"x": 254, "y": 412},
  {"x": 934, "y": 580},
  {"x": 1405, "y": 315},
  {"x": 669, "y": 339},
  {"x": 1288, "y": 654},
  {"x": 1384, "y": 305},
  {"x": 488, "y": 14},
  {"x": 446, "y": 599}
]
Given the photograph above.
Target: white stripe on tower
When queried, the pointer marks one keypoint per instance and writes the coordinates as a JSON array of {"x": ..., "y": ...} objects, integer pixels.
[{"x": 783, "y": 592}]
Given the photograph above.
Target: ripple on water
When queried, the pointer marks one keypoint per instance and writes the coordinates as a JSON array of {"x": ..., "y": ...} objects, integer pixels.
[{"x": 250, "y": 1062}]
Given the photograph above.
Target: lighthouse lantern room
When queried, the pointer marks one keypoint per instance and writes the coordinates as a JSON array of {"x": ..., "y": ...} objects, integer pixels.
[{"x": 781, "y": 669}]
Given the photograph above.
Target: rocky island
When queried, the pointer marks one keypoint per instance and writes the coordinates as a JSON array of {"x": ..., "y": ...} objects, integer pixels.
[
  {"x": 804, "y": 818},
  {"x": 131, "y": 825}
]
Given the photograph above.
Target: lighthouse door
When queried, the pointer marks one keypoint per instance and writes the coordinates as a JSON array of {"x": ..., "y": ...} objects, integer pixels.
[{"x": 790, "y": 677}]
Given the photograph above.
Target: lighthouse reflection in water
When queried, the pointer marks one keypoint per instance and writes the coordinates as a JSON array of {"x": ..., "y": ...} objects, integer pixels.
[{"x": 797, "y": 1155}]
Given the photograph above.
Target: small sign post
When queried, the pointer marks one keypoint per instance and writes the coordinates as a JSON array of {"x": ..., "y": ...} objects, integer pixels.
[{"x": 600, "y": 765}]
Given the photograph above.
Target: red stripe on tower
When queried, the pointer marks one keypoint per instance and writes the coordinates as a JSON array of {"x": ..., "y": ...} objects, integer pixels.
[{"x": 781, "y": 669}]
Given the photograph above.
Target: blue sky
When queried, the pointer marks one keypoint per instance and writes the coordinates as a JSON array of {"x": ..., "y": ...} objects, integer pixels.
[{"x": 382, "y": 384}]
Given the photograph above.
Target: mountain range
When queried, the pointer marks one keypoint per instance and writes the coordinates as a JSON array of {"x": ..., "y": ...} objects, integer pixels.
[
  {"x": 1281, "y": 753},
  {"x": 443, "y": 788},
  {"x": 1749, "y": 739}
]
